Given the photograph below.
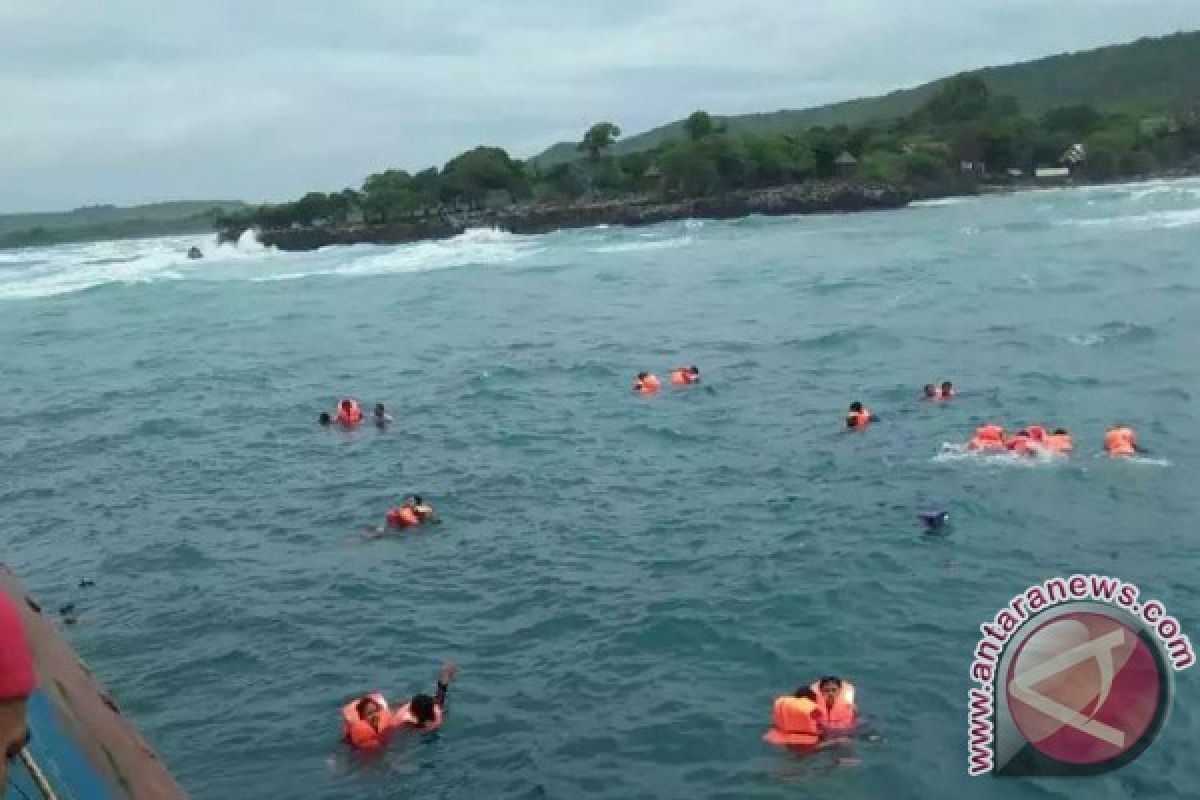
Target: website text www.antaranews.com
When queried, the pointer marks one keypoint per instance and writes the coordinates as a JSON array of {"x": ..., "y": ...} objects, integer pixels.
[{"x": 1034, "y": 600}]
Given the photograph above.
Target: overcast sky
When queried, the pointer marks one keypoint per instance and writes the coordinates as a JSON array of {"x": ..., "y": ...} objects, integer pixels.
[{"x": 127, "y": 101}]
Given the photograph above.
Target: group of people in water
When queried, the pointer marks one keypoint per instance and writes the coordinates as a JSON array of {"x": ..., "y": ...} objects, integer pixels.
[
  {"x": 817, "y": 716},
  {"x": 413, "y": 511},
  {"x": 1031, "y": 440},
  {"x": 1119, "y": 441},
  {"x": 649, "y": 383},
  {"x": 349, "y": 415}
]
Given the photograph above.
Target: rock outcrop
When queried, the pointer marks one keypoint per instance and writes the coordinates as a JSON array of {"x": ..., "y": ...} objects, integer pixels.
[{"x": 808, "y": 198}]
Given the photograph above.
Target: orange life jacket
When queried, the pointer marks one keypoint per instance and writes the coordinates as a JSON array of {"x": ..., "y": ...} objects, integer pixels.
[
  {"x": 1036, "y": 433},
  {"x": 681, "y": 377},
  {"x": 1059, "y": 442},
  {"x": 859, "y": 419},
  {"x": 1120, "y": 442},
  {"x": 1020, "y": 444},
  {"x": 943, "y": 394},
  {"x": 405, "y": 718},
  {"x": 987, "y": 437},
  {"x": 360, "y": 733},
  {"x": 349, "y": 417},
  {"x": 648, "y": 385},
  {"x": 843, "y": 715},
  {"x": 794, "y": 722},
  {"x": 403, "y": 517}
]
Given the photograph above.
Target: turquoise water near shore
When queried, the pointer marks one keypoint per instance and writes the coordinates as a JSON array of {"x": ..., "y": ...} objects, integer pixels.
[{"x": 625, "y": 582}]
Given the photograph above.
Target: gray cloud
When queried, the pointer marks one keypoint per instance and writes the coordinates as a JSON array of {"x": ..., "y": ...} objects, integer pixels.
[{"x": 136, "y": 100}]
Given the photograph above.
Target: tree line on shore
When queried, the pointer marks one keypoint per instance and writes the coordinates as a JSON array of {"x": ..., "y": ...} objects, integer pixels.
[{"x": 964, "y": 136}]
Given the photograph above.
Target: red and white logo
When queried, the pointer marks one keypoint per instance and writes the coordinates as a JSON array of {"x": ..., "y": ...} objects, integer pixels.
[
  {"x": 1085, "y": 688},
  {"x": 1074, "y": 677}
]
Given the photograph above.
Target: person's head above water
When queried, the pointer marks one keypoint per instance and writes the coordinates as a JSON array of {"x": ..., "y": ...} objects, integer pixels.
[
  {"x": 856, "y": 407},
  {"x": 694, "y": 370},
  {"x": 379, "y": 410},
  {"x": 422, "y": 707},
  {"x": 947, "y": 386},
  {"x": 807, "y": 693},
  {"x": 1061, "y": 432},
  {"x": 324, "y": 418},
  {"x": 346, "y": 405},
  {"x": 930, "y": 390},
  {"x": 830, "y": 686},
  {"x": 369, "y": 710},
  {"x": 641, "y": 376}
]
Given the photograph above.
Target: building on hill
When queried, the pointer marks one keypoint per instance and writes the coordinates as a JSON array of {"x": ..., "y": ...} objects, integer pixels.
[
  {"x": 1052, "y": 174},
  {"x": 845, "y": 165}
]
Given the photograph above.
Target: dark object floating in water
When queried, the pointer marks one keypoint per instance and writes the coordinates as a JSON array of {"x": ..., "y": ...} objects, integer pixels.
[
  {"x": 69, "y": 620},
  {"x": 86, "y": 584},
  {"x": 194, "y": 252},
  {"x": 935, "y": 519},
  {"x": 67, "y": 609}
]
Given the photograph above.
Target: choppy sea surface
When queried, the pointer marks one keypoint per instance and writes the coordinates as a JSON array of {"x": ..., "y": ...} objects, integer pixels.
[{"x": 626, "y": 583}]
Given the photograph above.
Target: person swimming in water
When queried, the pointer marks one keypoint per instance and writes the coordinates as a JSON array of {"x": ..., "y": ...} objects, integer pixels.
[
  {"x": 423, "y": 510},
  {"x": 859, "y": 417},
  {"x": 685, "y": 376},
  {"x": 646, "y": 383},
  {"x": 368, "y": 722},
  {"x": 381, "y": 417},
  {"x": 324, "y": 420},
  {"x": 943, "y": 392}
]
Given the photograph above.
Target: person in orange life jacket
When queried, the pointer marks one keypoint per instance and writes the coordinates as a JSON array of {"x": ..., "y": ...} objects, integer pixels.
[
  {"x": 368, "y": 722},
  {"x": 797, "y": 721},
  {"x": 18, "y": 679},
  {"x": 836, "y": 702},
  {"x": 381, "y": 417},
  {"x": 646, "y": 383},
  {"x": 947, "y": 390},
  {"x": 349, "y": 414},
  {"x": 1121, "y": 440},
  {"x": 1060, "y": 441},
  {"x": 423, "y": 510},
  {"x": 1021, "y": 443},
  {"x": 685, "y": 376},
  {"x": 859, "y": 417}
]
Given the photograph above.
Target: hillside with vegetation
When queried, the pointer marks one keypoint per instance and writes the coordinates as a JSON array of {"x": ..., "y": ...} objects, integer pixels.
[
  {"x": 964, "y": 136},
  {"x": 95, "y": 223},
  {"x": 1146, "y": 76}
]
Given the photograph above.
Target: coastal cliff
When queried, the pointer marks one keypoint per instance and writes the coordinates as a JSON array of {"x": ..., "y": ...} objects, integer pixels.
[{"x": 807, "y": 198}]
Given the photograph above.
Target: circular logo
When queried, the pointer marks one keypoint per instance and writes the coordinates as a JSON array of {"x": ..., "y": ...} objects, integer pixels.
[{"x": 1088, "y": 690}]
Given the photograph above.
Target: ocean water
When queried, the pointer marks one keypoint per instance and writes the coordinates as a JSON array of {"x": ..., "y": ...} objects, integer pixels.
[{"x": 626, "y": 583}]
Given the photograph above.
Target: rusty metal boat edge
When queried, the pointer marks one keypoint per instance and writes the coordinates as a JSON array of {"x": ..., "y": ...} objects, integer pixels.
[{"x": 79, "y": 738}]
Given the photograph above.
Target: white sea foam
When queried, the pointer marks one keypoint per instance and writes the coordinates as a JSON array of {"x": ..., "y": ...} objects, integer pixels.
[
  {"x": 478, "y": 246},
  {"x": 939, "y": 202},
  {"x": 1178, "y": 218},
  {"x": 648, "y": 244},
  {"x": 43, "y": 272},
  {"x": 48, "y": 271},
  {"x": 953, "y": 452}
]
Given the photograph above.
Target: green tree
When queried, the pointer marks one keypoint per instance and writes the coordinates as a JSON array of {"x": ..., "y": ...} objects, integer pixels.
[
  {"x": 599, "y": 138},
  {"x": 961, "y": 98},
  {"x": 687, "y": 169},
  {"x": 698, "y": 125},
  {"x": 472, "y": 174},
  {"x": 1078, "y": 120}
]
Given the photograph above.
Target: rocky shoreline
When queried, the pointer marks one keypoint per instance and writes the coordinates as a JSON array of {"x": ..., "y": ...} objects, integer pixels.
[{"x": 808, "y": 198}]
